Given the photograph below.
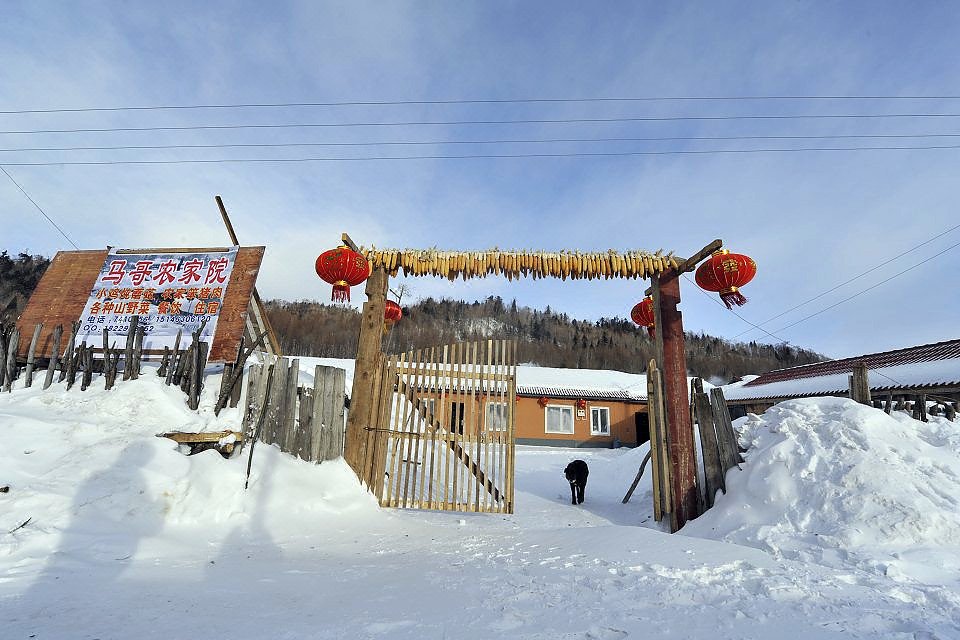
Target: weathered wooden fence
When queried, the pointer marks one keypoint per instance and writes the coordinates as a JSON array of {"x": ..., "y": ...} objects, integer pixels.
[
  {"x": 719, "y": 450},
  {"x": 718, "y": 445},
  {"x": 184, "y": 367},
  {"x": 443, "y": 431},
  {"x": 305, "y": 421}
]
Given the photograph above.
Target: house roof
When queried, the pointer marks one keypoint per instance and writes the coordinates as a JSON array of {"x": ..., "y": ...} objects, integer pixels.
[
  {"x": 923, "y": 366},
  {"x": 589, "y": 384}
]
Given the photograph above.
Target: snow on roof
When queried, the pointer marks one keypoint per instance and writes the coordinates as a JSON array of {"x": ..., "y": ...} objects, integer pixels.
[
  {"x": 556, "y": 382},
  {"x": 536, "y": 381},
  {"x": 922, "y": 353},
  {"x": 935, "y": 373}
]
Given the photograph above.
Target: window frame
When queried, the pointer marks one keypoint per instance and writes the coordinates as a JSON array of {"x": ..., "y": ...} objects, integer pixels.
[
  {"x": 593, "y": 430},
  {"x": 546, "y": 419}
]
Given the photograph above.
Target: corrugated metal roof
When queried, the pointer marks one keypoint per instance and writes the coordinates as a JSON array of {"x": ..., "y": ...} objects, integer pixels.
[
  {"x": 923, "y": 353},
  {"x": 923, "y": 367},
  {"x": 568, "y": 393}
]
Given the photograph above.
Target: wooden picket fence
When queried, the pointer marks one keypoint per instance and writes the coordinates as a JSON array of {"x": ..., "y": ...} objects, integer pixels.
[
  {"x": 304, "y": 421},
  {"x": 443, "y": 431}
]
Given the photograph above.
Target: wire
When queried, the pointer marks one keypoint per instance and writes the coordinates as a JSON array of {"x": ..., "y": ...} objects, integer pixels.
[
  {"x": 478, "y": 122},
  {"x": 860, "y": 293},
  {"x": 258, "y": 145},
  {"x": 471, "y": 156},
  {"x": 42, "y": 212},
  {"x": 700, "y": 289},
  {"x": 362, "y": 103},
  {"x": 857, "y": 277}
]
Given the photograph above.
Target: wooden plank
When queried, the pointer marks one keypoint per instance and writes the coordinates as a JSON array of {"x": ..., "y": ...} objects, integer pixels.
[
  {"x": 383, "y": 424},
  {"x": 636, "y": 480},
  {"x": 31, "y": 357},
  {"x": 128, "y": 350},
  {"x": 406, "y": 471},
  {"x": 512, "y": 429},
  {"x": 251, "y": 410},
  {"x": 439, "y": 418},
  {"x": 275, "y": 407},
  {"x": 712, "y": 471},
  {"x": 3, "y": 354},
  {"x": 726, "y": 437},
  {"x": 290, "y": 411},
  {"x": 54, "y": 356},
  {"x": 652, "y": 411},
  {"x": 13, "y": 342},
  {"x": 368, "y": 350},
  {"x": 433, "y": 384},
  {"x": 174, "y": 357},
  {"x": 318, "y": 431},
  {"x": 303, "y": 444}
]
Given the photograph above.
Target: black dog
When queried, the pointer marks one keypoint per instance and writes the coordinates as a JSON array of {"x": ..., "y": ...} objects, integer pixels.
[{"x": 576, "y": 473}]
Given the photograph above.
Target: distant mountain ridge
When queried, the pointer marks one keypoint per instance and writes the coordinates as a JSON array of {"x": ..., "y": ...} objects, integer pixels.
[{"x": 546, "y": 338}]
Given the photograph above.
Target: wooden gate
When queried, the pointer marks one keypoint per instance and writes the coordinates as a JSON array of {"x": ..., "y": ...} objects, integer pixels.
[{"x": 444, "y": 432}]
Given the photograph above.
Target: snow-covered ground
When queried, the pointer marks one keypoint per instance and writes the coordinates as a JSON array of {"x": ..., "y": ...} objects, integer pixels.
[{"x": 843, "y": 523}]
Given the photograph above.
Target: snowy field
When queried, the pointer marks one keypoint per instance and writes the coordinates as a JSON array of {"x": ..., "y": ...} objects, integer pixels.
[{"x": 843, "y": 523}]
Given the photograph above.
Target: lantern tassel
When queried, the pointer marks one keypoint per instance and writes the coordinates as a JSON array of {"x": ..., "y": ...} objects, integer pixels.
[
  {"x": 731, "y": 298},
  {"x": 341, "y": 293},
  {"x": 651, "y": 331}
]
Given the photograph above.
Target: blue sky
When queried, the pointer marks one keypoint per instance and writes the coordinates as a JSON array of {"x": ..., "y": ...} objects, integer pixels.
[{"x": 811, "y": 220}]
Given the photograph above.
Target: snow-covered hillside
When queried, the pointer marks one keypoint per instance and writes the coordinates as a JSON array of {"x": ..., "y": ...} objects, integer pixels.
[{"x": 843, "y": 523}]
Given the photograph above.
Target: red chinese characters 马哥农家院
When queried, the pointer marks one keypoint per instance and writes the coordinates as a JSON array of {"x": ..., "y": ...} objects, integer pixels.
[
  {"x": 191, "y": 271},
  {"x": 115, "y": 272},
  {"x": 165, "y": 272},
  {"x": 216, "y": 272}
]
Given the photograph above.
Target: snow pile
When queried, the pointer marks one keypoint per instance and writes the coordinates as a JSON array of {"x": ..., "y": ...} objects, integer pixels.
[
  {"x": 841, "y": 484},
  {"x": 87, "y": 469}
]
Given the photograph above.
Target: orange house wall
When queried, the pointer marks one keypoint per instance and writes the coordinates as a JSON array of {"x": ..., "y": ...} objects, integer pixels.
[{"x": 531, "y": 422}]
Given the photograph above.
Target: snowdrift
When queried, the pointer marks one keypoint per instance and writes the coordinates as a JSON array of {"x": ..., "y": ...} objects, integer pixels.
[
  {"x": 86, "y": 468},
  {"x": 831, "y": 481}
]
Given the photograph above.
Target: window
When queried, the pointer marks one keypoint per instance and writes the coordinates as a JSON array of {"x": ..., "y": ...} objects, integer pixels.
[
  {"x": 559, "y": 419},
  {"x": 599, "y": 421},
  {"x": 496, "y": 416}
]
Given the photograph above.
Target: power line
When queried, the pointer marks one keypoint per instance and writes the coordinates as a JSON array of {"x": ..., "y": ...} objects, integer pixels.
[
  {"x": 484, "y": 122},
  {"x": 261, "y": 145},
  {"x": 777, "y": 338},
  {"x": 363, "y": 103},
  {"x": 860, "y": 293},
  {"x": 470, "y": 156},
  {"x": 857, "y": 277},
  {"x": 42, "y": 212}
]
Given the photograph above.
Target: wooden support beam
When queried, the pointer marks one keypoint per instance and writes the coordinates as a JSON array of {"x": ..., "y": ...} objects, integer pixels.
[
  {"x": 256, "y": 309},
  {"x": 691, "y": 263},
  {"x": 672, "y": 362},
  {"x": 365, "y": 372},
  {"x": 345, "y": 239}
]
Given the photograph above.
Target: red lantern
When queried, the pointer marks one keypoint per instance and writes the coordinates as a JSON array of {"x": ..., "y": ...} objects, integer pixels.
[
  {"x": 581, "y": 403},
  {"x": 542, "y": 401},
  {"x": 642, "y": 314},
  {"x": 392, "y": 313},
  {"x": 725, "y": 273},
  {"x": 343, "y": 268}
]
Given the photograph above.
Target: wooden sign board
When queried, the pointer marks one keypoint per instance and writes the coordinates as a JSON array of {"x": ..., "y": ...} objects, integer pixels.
[{"x": 65, "y": 287}]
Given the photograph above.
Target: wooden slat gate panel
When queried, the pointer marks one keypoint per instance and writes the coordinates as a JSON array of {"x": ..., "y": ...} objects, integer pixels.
[{"x": 444, "y": 438}]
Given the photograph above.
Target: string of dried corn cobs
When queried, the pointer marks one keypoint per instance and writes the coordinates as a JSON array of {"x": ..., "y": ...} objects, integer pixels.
[{"x": 574, "y": 265}]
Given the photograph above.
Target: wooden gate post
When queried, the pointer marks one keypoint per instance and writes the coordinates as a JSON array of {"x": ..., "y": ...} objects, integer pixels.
[
  {"x": 673, "y": 364},
  {"x": 365, "y": 371}
]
